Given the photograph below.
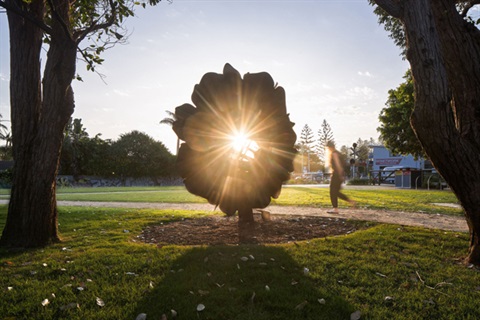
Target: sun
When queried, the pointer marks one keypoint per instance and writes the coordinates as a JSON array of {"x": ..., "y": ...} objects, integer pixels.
[
  {"x": 242, "y": 145},
  {"x": 239, "y": 141}
]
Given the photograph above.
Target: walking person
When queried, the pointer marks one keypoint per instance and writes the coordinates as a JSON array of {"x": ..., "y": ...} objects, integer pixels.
[{"x": 336, "y": 179}]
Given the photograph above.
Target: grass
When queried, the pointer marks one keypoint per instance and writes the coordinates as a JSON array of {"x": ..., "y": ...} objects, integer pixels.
[
  {"x": 385, "y": 272},
  {"x": 370, "y": 198},
  {"x": 130, "y": 194}
]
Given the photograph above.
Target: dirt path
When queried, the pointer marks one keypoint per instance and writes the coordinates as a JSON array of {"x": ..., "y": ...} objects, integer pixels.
[{"x": 433, "y": 221}]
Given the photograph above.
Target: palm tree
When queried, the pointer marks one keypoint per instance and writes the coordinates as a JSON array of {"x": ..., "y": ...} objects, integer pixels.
[
  {"x": 3, "y": 129},
  {"x": 169, "y": 121},
  {"x": 7, "y": 137}
]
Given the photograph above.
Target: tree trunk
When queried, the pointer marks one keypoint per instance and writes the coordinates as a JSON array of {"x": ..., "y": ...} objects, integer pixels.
[
  {"x": 38, "y": 120},
  {"x": 460, "y": 44},
  {"x": 444, "y": 52}
]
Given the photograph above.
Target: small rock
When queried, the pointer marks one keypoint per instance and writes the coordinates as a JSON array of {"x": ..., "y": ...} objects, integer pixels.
[
  {"x": 141, "y": 316},
  {"x": 356, "y": 315}
]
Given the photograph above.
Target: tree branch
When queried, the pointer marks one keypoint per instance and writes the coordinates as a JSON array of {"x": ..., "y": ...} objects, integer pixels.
[
  {"x": 25, "y": 14},
  {"x": 60, "y": 19},
  {"x": 469, "y": 6},
  {"x": 81, "y": 34},
  {"x": 392, "y": 7}
]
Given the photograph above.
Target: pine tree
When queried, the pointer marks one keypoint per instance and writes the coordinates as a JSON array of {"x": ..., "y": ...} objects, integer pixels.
[
  {"x": 325, "y": 134},
  {"x": 306, "y": 140}
]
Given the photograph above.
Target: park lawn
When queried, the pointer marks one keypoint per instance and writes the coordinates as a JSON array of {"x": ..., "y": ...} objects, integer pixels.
[
  {"x": 102, "y": 271},
  {"x": 377, "y": 199},
  {"x": 129, "y": 194}
]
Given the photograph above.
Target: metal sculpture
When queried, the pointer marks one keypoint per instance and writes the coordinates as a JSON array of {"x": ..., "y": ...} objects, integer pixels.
[{"x": 238, "y": 141}]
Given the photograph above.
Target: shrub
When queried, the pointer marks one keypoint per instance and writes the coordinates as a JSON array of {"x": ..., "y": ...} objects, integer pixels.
[{"x": 358, "y": 182}]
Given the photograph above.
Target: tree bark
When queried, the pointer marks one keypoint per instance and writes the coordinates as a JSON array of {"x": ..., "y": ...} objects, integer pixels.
[
  {"x": 39, "y": 115},
  {"x": 443, "y": 51}
]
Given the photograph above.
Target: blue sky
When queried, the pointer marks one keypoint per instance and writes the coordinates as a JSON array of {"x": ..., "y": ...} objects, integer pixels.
[{"x": 333, "y": 59}]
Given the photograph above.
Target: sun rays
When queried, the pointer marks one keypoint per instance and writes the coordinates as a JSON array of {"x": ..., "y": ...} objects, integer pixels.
[{"x": 238, "y": 141}]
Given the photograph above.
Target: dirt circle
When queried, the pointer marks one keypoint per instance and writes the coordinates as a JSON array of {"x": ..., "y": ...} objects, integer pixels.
[{"x": 225, "y": 230}]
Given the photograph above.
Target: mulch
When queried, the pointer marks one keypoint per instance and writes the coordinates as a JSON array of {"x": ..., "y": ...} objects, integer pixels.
[{"x": 217, "y": 230}]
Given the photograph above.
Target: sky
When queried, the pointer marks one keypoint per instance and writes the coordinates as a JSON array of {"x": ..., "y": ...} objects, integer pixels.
[{"x": 335, "y": 62}]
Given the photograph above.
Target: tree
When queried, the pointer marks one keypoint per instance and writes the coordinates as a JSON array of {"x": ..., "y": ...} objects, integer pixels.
[
  {"x": 100, "y": 161},
  {"x": 169, "y": 121},
  {"x": 6, "y": 151},
  {"x": 344, "y": 156},
  {"x": 42, "y": 105},
  {"x": 325, "y": 134},
  {"x": 442, "y": 46},
  {"x": 306, "y": 140},
  {"x": 362, "y": 150},
  {"x": 3, "y": 129},
  {"x": 139, "y": 155},
  {"x": 395, "y": 129},
  {"x": 74, "y": 149},
  {"x": 82, "y": 155}
]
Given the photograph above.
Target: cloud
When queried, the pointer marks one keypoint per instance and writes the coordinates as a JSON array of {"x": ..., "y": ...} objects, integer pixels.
[
  {"x": 3, "y": 77},
  {"x": 277, "y": 63},
  {"x": 365, "y": 74},
  {"x": 306, "y": 87},
  {"x": 121, "y": 93},
  {"x": 362, "y": 92}
]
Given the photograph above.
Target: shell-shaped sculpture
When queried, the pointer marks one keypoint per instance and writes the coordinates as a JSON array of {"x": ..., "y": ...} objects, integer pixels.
[{"x": 238, "y": 140}]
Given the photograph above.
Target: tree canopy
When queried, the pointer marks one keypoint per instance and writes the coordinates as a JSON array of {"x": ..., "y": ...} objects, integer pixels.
[
  {"x": 306, "y": 137},
  {"x": 138, "y": 155},
  {"x": 325, "y": 134},
  {"x": 395, "y": 129}
]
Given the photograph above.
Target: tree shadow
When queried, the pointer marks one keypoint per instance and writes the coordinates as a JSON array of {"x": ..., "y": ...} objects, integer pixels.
[{"x": 240, "y": 282}]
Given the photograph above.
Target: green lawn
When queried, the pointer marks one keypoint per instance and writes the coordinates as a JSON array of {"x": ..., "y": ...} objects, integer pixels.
[
  {"x": 370, "y": 198},
  {"x": 130, "y": 194},
  {"x": 101, "y": 271}
]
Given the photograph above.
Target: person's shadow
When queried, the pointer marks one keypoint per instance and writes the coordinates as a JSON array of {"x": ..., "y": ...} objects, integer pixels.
[{"x": 239, "y": 282}]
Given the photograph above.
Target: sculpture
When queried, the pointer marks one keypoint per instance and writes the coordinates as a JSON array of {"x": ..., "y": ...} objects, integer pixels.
[{"x": 238, "y": 141}]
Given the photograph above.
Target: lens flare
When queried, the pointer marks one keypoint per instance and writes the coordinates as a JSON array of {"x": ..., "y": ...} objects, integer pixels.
[
  {"x": 242, "y": 146},
  {"x": 239, "y": 141}
]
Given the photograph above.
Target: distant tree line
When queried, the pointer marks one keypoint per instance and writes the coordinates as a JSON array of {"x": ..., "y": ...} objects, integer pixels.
[{"x": 132, "y": 155}]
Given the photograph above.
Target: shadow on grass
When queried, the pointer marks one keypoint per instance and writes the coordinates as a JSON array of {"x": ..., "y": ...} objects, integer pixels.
[{"x": 240, "y": 282}]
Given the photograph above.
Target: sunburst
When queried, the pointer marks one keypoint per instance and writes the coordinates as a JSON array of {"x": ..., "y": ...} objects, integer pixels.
[{"x": 238, "y": 141}]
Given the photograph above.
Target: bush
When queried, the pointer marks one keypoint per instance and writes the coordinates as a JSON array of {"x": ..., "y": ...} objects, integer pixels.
[
  {"x": 6, "y": 178},
  {"x": 299, "y": 180},
  {"x": 358, "y": 182}
]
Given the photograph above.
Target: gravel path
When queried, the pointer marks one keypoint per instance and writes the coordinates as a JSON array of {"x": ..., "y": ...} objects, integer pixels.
[{"x": 433, "y": 221}]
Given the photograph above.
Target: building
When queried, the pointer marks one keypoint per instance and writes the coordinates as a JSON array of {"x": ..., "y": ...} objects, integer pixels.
[{"x": 380, "y": 158}]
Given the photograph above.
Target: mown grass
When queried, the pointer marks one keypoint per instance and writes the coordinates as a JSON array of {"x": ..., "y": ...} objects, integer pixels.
[
  {"x": 370, "y": 198},
  {"x": 129, "y": 194},
  {"x": 419, "y": 270}
]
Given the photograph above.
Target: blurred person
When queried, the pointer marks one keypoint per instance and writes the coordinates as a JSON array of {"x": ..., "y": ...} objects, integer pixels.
[{"x": 337, "y": 177}]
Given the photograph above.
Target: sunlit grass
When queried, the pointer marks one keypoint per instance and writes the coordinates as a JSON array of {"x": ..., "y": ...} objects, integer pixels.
[
  {"x": 383, "y": 199},
  {"x": 368, "y": 198},
  {"x": 63, "y": 190},
  {"x": 153, "y": 194},
  {"x": 101, "y": 257}
]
